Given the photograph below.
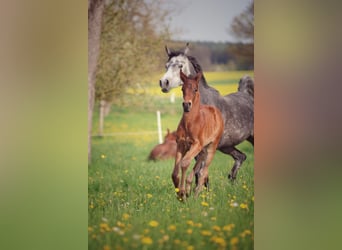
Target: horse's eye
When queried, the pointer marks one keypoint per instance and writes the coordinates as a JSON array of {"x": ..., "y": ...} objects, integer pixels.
[{"x": 180, "y": 66}]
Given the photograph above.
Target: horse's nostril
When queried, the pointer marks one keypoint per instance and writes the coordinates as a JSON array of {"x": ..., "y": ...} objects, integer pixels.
[{"x": 167, "y": 83}]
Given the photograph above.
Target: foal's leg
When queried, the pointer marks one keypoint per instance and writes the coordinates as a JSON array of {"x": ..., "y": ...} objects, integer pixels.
[{"x": 174, "y": 176}]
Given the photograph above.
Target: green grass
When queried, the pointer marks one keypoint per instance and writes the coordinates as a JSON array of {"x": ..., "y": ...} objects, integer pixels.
[{"x": 132, "y": 202}]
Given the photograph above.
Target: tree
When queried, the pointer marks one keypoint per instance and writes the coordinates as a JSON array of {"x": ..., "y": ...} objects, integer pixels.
[
  {"x": 95, "y": 11},
  {"x": 131, "y": 47},
  {"x": 242, "y": 27}
]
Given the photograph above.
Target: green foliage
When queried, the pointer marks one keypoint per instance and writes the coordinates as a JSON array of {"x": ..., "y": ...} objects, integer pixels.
[
  {"x": 131, "y": 47},
  {"x": 132, "y": 202}
]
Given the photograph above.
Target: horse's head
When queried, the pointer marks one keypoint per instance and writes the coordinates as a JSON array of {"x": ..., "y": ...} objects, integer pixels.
[
  {"x": 177, "y": 61},
  {"x": 190, "y": 90}
]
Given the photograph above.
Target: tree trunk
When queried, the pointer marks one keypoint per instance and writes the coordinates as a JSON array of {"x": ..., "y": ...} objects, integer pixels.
[{"x": 95, "y": 11}]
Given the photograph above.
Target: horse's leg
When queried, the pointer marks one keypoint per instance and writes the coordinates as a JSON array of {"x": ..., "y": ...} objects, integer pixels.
[
  {"x": 194, "y": 150},
  {"x": 251, "y": 139},
  {"x": 203, "y": 178},
  {"x": 239, "y": 158}
]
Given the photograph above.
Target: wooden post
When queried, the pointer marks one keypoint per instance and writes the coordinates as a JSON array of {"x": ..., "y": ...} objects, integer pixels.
[
  {"x": 102, "y": 113},
  {"x": 159, "y": 128}
]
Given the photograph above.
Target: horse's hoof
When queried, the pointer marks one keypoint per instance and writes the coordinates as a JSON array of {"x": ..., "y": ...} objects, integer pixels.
[{"x": 230, "y": 177}]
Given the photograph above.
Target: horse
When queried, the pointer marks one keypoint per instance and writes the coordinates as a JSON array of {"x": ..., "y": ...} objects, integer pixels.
[
  {"x": 237, "y": 108},
  {"x": 200, "y": 129},
  {"x": 166, "y": 150}
]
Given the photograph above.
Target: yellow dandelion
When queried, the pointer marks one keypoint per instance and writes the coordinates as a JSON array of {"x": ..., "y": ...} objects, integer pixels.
[
  {"x": 243, "y": 206},
  {"x": 153, "y": 223},
  {"x": 190, "y": 248},
  {"x": 234, "y": 240},
  {"x": 204, "y": 204},
  {"x": 120, "y": 224},
  {"x": 248, "y": 232},
  {"x": 177, "y": 190},
  {"x": 218, "y": 240},
  {"x": 90, "y": 229},
  {"x": 190, "y": 222},
  {"x": 106, "y": 247},
  {"x": 146, "y": 240},
  {"x": 104, "y": 227},
  {"x": 172, "y": 228},
  {"x": 199, "y": 225},
  {"x": 103, "y": 156},
  {"x": 177, "y": 241},
  {"x": 213, "y": 218},
  {"x": 125, "y": 216},
  {"x": 206, "y": 232},
  {"x": 149, "y": 196},
  {"x": 166, "y": 237},
  {"x": 189, "y": 231},
  {"x": 228, "y": 227},
  {"x": 216, "y": 228}
]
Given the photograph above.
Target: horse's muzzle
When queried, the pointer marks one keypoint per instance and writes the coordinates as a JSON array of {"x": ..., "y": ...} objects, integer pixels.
[
  {"x": 164, "y": 84},
  {"x": 186, "y": 106}
]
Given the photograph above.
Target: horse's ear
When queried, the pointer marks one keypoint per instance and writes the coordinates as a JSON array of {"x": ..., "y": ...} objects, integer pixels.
[
  {"x": 168, "y": 52},
  {"x": 186, "y": 50},
  {"x": 183, "y": 76},
  {"x": 198, "y": 76}
]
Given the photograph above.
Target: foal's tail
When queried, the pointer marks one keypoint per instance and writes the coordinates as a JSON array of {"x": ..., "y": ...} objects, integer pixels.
[{"x": 246, "y": 85}]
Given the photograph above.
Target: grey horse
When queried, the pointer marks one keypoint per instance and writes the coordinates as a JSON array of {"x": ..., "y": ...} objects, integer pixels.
[{"x": 237, "y": 108}]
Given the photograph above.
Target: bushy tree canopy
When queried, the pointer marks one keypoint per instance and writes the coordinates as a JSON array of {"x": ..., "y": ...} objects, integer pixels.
[{"x": 131, "y": 47}]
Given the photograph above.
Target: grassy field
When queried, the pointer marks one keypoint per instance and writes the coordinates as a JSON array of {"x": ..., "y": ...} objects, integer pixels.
[{"x": 132, "y": 202}]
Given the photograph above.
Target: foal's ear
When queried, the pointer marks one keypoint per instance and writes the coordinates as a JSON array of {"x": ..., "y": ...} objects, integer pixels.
[
  {"x": 187, "y": 49},
  {"x": 168, "y": 52},
  {"x": 198, "y": 76},
  {"x": 183, "y": 77}
]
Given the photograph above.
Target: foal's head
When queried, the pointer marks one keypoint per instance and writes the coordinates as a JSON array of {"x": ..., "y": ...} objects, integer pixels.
[{"x": 190, "y": 90}]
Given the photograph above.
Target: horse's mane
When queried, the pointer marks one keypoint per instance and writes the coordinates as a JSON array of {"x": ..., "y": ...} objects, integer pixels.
[{"x": 193, "y": 61}]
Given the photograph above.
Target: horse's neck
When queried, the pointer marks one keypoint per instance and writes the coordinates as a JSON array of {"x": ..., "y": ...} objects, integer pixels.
[{"x": 209, "y": 95}]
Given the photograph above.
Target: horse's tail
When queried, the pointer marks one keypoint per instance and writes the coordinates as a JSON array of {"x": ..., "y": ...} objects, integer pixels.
[{"x": 246, "y": 85}]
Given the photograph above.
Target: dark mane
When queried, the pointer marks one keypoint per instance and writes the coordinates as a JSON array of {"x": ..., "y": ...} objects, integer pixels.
[{"x": 193, "y": 61}]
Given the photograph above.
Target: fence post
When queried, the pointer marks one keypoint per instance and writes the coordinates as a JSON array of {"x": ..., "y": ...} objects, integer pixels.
[{"x": 159, "y": 128}]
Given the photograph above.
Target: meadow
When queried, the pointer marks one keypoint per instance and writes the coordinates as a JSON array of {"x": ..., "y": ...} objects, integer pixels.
[{"x": 132, "y": 202}]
